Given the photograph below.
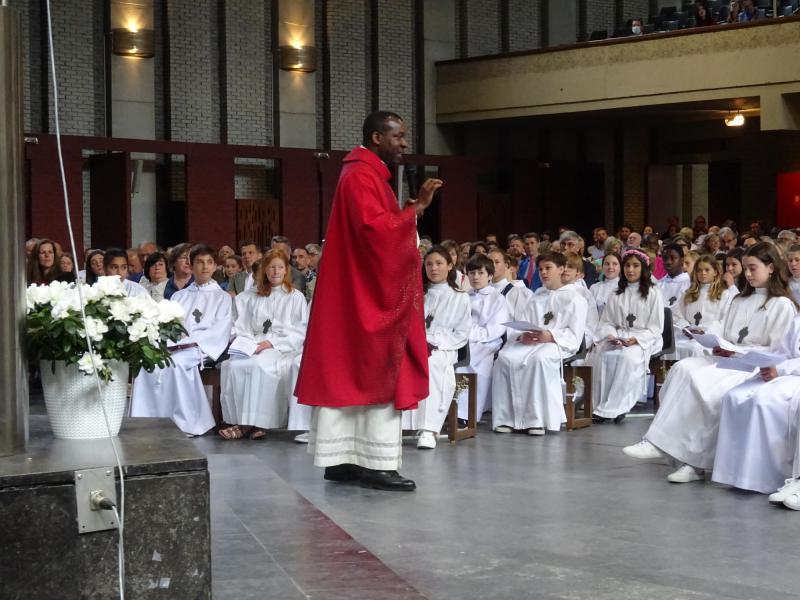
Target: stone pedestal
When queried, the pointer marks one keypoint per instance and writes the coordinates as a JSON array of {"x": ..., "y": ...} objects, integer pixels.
[{"x": 167, "y": 525}]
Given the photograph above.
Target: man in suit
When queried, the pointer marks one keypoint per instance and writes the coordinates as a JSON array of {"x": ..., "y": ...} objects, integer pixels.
[
  {"x": 251, "y": 254},
  {"x": 527, "y": 266}
]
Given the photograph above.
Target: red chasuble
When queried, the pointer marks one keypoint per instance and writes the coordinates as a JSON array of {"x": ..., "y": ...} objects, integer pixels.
[{"x": 366, "y": 334}]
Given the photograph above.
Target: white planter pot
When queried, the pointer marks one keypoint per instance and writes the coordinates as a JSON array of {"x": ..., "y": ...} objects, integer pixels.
[{"x": 72, "y": 400}]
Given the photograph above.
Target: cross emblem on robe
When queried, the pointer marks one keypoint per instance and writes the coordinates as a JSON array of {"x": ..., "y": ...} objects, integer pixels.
[
  {"x": 672, "y": 300},
  {"x": 698, "y": 316},
  {"x": 630, "y": 319},
  {"x": 548, "y": 316},
  {"x": 267, "y": 325},
  {"x": 742, "y": 334},
  {"x": 197, "y": 315},
  {"x": 428, "y": 321}
]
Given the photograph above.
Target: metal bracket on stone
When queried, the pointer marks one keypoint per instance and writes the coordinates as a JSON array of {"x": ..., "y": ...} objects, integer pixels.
[{"x": 88, "y": 483}]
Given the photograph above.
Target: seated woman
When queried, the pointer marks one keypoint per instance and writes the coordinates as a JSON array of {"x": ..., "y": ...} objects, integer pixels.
[
  {"x": 629, "y": 332},
  {"x": 602, "y": 290},
  {"x": 447, "y": 322},
  {"x": 255, "y": 390},
  {"x": 702, "y": 307},
  {"x": 155, "y": 275},
  {"x": 686, "y": 425},
  {"x": 758, "y": 426},
  {"x": 94, "y": 266},
  {"x": 180, "y": 266},
  {"x": 44, "y": 264}
]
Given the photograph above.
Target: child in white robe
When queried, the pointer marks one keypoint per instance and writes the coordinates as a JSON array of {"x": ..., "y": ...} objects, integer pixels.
[
  {"x": 177, "y": 391},
  {"x": 793, "y": 262},
  {"x": 629, "y": 332},
  {"x": 255, "y": 390},
  {"x": 447, "y": 323},
  {"x": 676, "y": 281},
  {"x": 734, "y": 272},
  {"x": 573, "y": 275},
  {"x": 489, "y": 311},
  {"x": 758, "y": 425},
  {"x": 702, "y": 307},
  {"x": 685, "y": 427},
  {"x": 115, "y": 263},
  {"x": 527, "y": 379},
  {"x": 515, "y": 291},
  {"x": 602, "y": 290}
]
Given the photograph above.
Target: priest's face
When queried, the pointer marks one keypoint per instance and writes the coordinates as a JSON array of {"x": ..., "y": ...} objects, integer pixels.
[{"x": 391, "y": 144}]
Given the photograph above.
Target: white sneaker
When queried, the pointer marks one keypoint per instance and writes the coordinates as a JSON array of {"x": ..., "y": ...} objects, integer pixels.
[
  {"x": 643, "y": 450},
  {"x": 426, "y": 441},
  {"x": 792, "y": 501},
  {"x": 503, "y": 429},
  {"x": 535, "y": 431},
  {"x": 301, "y": 438},
  {"x": 685, "y": 474},
  {"x": 789, "y": 487}
]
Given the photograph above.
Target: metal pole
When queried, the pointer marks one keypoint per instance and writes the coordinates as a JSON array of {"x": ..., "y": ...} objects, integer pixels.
[{"x": 13, "y": 370}]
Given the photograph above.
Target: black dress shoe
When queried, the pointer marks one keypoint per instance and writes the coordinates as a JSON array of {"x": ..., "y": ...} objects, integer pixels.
[
  {"x": 345, "y": 472},
  {"x": 462, "y": 423},
  {"x": 389, "y": 481},
  {"x": 596, "y": 419},
  {"x": 619, "y": 418}
]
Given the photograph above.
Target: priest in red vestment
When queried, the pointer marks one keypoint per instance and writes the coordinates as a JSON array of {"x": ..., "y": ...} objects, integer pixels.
[{"x": 365, "y": 357}]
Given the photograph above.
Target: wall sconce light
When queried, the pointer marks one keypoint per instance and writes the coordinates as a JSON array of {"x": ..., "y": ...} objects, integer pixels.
[
  {"x": 736, "y": 120},
  {"x": 127, "y": 42},
  {"x": 298, "y": 58}
]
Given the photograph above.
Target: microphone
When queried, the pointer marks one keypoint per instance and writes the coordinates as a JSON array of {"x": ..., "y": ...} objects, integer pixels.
[{"x": 412, "y": 180}]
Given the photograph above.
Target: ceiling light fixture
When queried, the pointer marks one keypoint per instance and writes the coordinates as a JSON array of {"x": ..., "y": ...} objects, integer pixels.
[
  {"x": 139, "y": 43},
  {"x": 736, "y": 120}
]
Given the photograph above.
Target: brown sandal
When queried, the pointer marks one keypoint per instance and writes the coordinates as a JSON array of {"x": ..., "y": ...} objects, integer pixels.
[
  {"x": 231, "y": 433},
  {"x": 258, "y": 434}
]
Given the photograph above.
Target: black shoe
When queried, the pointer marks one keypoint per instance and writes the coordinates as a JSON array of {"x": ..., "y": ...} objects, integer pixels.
[
  {"x": 462, "y": 423},
  {"x": 389, "y": 481},
  {"x": 619, "y": 418},
  {"x": 346, "y": 472},
  {"x": 597, "y": 419}
]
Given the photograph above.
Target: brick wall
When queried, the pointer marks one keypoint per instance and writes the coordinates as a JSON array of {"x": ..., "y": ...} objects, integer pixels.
[
  {"x": 248, "y": 67},
  {"x": 29, "y": 46},
  {"x": 396, "y": 61},
  {"x": 481, "y": 26},
  {"x": 194, "y": 60},
  {"x": 636, "y": 157},
  {"x": 599, "y": 16},
  {"x": 524, "y": 32},
  {"x": 320, "y": 80},
  {"x": 158, "y": 69},
  {"x": 634, "y": 9},
  {"x": 349, "y": 77}
]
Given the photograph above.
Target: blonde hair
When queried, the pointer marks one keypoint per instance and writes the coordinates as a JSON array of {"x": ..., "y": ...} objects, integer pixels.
[
  {"x": 262, "y": 283},
  {"x": 574, "y": 261},
  {"x": 717, "y": 287}
]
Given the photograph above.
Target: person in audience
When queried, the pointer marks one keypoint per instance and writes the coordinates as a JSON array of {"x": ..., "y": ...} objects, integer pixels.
[
  {"x": 624, "y": 232},
  {"x": 302, "y": 264},
  {"x": 516, "y": 246},
  {"x": 734, "y": 10},
  {"x": 527, "y": 379},
  {"x": 727, "y": 237},
  {"x": 613, "y": 245},
  {"x": 115, "y": 262},
  {"x": 232, "y": 267},
  {"x": 219, "y": 273},
  {"x": 634, "y": 240},
  {"x": 515, "y": 292},
  {"x": 599, "y": 237},
  {"x": 793, "y": 262},
  {"x": 758, "y": 426},
  {"x": 155, "y": 275},
  {"x": 629, "y": 332},
  {"x": 686, "y": 425},
  {"x": 146, "y": 249},
  {"x": 572, "y": 242},
  {"x": 748, "y": 239},
  {"x": 748, "y": 11},
  {"x": 314, "y": 254},
  {"x": 180, "y": 265},
  {"x": 573, "y": 275},
  {"x": 447, "y": 323},
  {"x": 652, "y": 244},
  {"x": 273, "y": 317},
  {"x": 67, "y": 264},
  {"x": 675, "y": 282},
  {"x": 700, "y": 227},
  {"x": 637, "y": 27},
  {"x": 527, "y": 266},
  {"x": 786, "y": 239},
  {"x": 135, "y": 269},
  {"x": 177, "y": 391},
  {"x": 489, "y": 311},
  {"x": 647, "y": 230},
  {"x": 734, "y": 271},
  {"x": 478, "y": 248},
  {"x": 711, "y": 244},
  {"x": 44, "y": 264},
  {"x": 702, "y": 15},
  {"x": 30, "y": 244},
  {"x": 702, "y": 306},
  {"x": 464, "y": 256},
  {"x": 94, "y": 266},
  {"x": 612, "y": 266},
  {"x": 461, "y": 278},
  {"x": 243, "y": 281},
  {"x": 688, "y": 261}
]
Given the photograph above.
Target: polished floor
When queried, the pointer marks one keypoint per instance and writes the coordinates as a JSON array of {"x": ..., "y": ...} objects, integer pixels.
[{"x": 501, "y": 516}]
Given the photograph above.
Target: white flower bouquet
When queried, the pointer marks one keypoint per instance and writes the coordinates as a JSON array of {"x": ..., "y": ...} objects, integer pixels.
[{"x": 130, "y": 330}]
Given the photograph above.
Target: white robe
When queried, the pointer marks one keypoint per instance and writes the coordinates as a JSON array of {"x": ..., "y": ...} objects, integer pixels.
[
  {"x": 177, "y": 391},
  {"x": 703, "y": 312},
  {"x": 758, "y": 425},
  {"x": 134, "y": 290},
  {"x": 794, "y": 288},
  {"x": 686, "y": 425},
  {"x": 672, "y": 288},
  {"x": 601, "y": 291},
  {"x": 619, "y": 375},
  {"x": 256, "y": 390},
  {"x": 527, "y": 380},
  {"x": 592, "y": 314},
  {"x": 516, "y": 298},
  {"x": 489, "y": 311},
  {"x": 447, "y": 318}
]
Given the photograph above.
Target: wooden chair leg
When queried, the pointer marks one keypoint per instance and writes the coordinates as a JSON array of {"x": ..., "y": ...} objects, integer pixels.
[
  {"x": 569, "y": 400},
  {"x": 452, "y": 422},
  {"x": 454, "y": 434},
  {"x": 585, "y": 420}
]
